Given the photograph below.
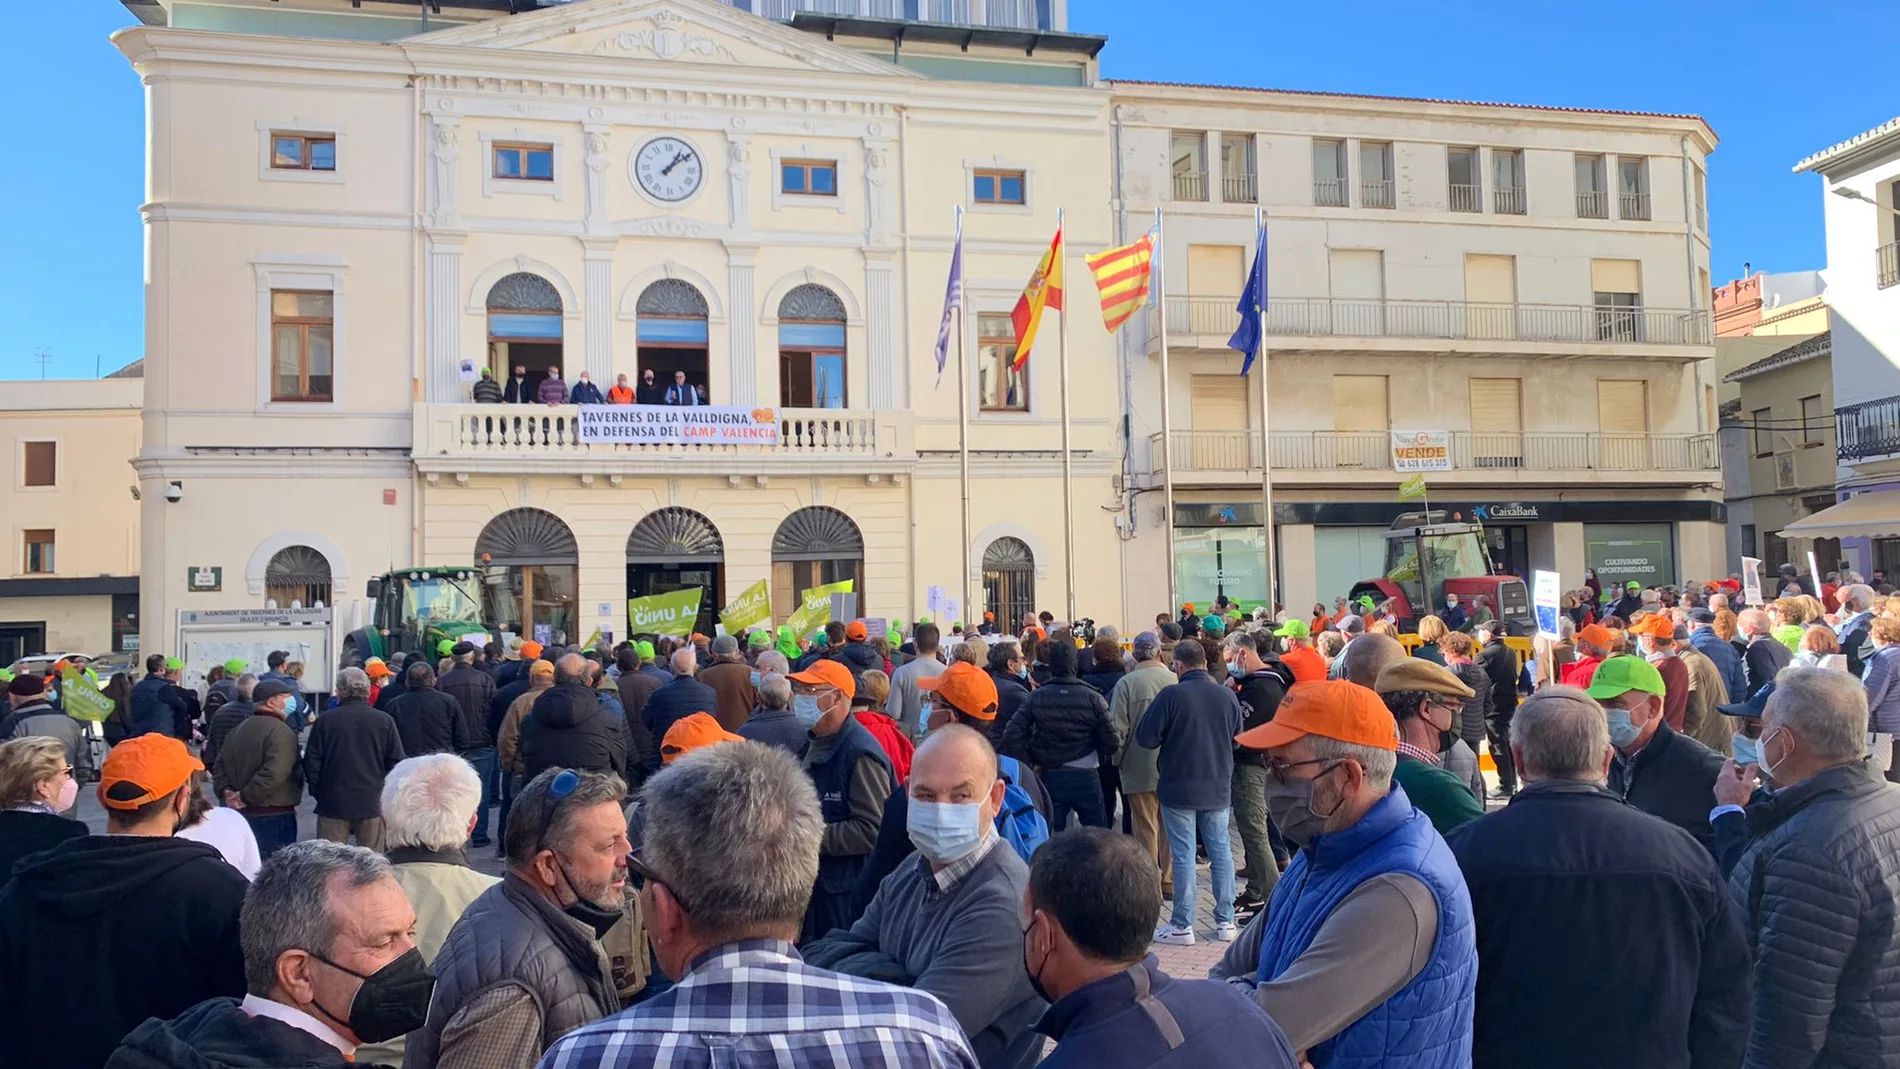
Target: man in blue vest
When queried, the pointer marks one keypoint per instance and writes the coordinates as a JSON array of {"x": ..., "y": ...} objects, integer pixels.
[
  {"x": 1368, "y": 955},
  {"x": 854, "y": 779}
]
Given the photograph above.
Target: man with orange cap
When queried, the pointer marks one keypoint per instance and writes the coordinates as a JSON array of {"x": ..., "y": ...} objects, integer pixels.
[
  {"x": 104, "y": 931},
  {"x": 1593, "y": 644},
  {"x": 690, "y": 733},
  {"x": 854, "y": 779},
  {"x": 1656, "y": 636},
  {"x": 1366, "y": 953}
]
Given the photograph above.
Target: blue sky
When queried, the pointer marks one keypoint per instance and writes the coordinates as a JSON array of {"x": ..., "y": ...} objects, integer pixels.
[{"x": 1777, "y": 82}]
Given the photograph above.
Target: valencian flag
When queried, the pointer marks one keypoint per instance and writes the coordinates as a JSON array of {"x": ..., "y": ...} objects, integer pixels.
[
  {"x": 1252, "y": 308},
  {"x": 1044, "y": 291},
  {"x": 1121, "y": 276}
]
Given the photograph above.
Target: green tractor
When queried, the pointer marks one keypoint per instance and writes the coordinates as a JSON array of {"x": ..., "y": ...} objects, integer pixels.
[{"x": 417, "y": 609}]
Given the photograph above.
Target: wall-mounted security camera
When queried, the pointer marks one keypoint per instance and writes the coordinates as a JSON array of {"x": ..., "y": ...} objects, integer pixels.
[
  {"x": 175, "y": 492},
  {"x": 135, "y": 493}
]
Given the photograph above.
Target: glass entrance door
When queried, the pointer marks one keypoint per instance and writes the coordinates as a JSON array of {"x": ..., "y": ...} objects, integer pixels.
[{"x": 645, "y": 580}]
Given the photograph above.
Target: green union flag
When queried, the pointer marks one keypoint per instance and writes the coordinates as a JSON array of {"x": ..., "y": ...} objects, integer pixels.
[
  {"x": 1412, "y": 487},
  {"x": 752, "y": 607},
  {"x": 665, "y": 614},
  {"x": 81, "y": 699}
]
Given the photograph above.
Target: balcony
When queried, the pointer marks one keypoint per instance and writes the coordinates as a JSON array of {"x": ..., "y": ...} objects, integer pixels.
[
  {"x": 1632, "y": 206},
  {"x": 1867, "y": 430},
  {"x": 1466, "y": 198},
  {"x": 1376, "y": 194},
  {"x": 1335, "y": 452},
  {"x": 1238, "y": 188},
  {"x": 517, "y": 438},
  {"x": 1215, "y": 317},
  {"x": 1508, "y": 201},
  {"x": 1887, "y": 265},
  {"x": 1329, "y": 192},
  {"x": 1190, "y": 185},
  {"x": 1592, "y": 204}
]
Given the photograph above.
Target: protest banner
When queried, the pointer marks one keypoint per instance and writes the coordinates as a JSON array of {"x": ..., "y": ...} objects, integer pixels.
[
  {"x": 678, "y": 425},
  {"x": 752, "y": 606},
  {"x": 665, "y": 614}
]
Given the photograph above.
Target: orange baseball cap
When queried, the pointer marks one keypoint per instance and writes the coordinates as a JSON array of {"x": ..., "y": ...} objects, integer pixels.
[
  {"x": 377, "y": 668},
  {"x": 1332, "y": 708},
  {"x": 156, "y": 764},
  {"x": 966, "y": 687},
  {"x": 541, "y": 668},
  {"x": 693, "y": 732},
  {"x": 855, "y": 631},
  {"x": 828, "y": 674},
  {"x": 1597, "y": 635},
  {"x": 530, "y": 650},
  {"x": 1655, "y": 625}
]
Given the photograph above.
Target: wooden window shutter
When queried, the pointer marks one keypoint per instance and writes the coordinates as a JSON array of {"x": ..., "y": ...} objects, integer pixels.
[
  {"x": 42, "y": 463},
  {"x": 1217, "y": 270},
  {"x": 1220, "y": 402},
  {"x": 1623, "y": 406},
  {"x": 1616, "y": 276},
  {"x": 1496, "y": 405},
  {"x": 1359, "y": 403}
]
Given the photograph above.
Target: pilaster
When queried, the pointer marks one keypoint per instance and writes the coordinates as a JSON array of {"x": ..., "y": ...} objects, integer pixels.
[
  {"x": 742, "y": 319},
  {"x": 597, "y": 311},
  {"x": 879, "y": 329}
]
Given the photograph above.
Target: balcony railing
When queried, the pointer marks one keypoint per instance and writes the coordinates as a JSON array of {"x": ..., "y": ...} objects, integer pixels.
[
  {"x": 1867, "y": 430},
  {"x": 1329, "y": 192},
  {"x": 1466, "y": 198},
  {"x": 1216, "y": 316},
  {"x": 1371, "y": 451},
  {"x": 1375, "y": 194},
  {"x": 1592, "y": 204},
  {"x": 1190, "y": 185},
  {"x": 1887, "y": 265},
  {"x": 1632, "y": 205},
  {"x": 1508, "y": 200},
  {"x": 1238, "y": 188},
  {"x": 506, "y": 432}
]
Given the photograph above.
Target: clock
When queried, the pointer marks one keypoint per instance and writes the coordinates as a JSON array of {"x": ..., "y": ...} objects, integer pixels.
[{"x": 668, "y": 169}]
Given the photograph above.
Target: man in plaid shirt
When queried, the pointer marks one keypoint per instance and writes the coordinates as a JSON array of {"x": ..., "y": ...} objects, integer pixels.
[{"x": 729, "y": 858}]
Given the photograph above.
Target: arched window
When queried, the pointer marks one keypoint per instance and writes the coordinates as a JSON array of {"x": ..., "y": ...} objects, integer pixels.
[
  {"x": 524, "y": 330},
  {"x": 678, "y": 549},
  {"x": 297, "y": 575},
  {"x": 1009, "y": 582},
  {"x": 811, "y": 348},
  {"x": 815, "y": 546},
  {"x": 530, "y": 570},
  {"x": 672, "y": 332}
]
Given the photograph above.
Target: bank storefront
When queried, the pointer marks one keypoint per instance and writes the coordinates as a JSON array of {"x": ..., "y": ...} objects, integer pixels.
[{"x": 1220, "y": 549}]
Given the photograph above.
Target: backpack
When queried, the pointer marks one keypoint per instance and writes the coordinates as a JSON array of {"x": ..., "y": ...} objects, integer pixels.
[{"x": 1020, "y": 824}]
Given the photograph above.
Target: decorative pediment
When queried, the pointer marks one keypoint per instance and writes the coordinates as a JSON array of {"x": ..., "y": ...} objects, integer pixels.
[{"x": 670, "y": 31}]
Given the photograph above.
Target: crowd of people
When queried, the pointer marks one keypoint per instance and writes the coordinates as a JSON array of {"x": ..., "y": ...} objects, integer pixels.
[
  {"x": 931, "y": 849},
  {"x": 551, "y": 389}
]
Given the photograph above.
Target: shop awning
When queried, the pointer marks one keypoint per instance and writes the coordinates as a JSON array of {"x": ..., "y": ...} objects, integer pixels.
[{"x": 1873, "y": 515}]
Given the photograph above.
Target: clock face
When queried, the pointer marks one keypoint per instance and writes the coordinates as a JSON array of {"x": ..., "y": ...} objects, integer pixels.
[{"x": 668, "y": 169}]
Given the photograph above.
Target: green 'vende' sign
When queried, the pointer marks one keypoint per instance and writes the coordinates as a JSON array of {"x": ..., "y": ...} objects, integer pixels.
[
  {"x": 665, "y": 614},
  {"x": 81, "y": 699},
  {"x": 754, "y": 606}
]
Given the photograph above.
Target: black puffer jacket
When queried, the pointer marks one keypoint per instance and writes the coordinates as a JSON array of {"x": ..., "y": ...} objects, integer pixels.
[
  {"x": 429, "y": 721},
  {"x": 1063, "y": 720},
  {"x": 472, "y": 689},
  {"x": 1011, "y": 693},
  {"x": 568, "y": 728},
  {"x": 1818, "y": 886},
  {"x": 1104, "y": 678},
  {"x": 1477, "y": 709},
  {"x": 1260, "y": 695},
  {"x": 217, "y": 1034},
  {"x": 859, "y": 657},
  {"x": 223, "y": 722},
  {"x": 1500, "y": 667}
]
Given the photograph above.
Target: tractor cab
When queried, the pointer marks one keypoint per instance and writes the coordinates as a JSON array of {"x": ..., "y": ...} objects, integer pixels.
[
  {"x": 417, "y": 609},
  {"x": 1429, "y": 555}
]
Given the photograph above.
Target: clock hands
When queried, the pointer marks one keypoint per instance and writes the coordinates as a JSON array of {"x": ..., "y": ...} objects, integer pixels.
[{"x": 677, "y": 160}]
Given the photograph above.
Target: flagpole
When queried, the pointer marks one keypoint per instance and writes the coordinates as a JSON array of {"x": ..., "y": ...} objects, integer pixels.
[
  {"x": 1266, "y": 435},
  {"x": 1068, "y": 481},
  {"x": 963, "y": 456},
  {"x": 1158, "y": 271}
]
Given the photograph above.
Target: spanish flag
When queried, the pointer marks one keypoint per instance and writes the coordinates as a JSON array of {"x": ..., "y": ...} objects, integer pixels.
[
  {"x": 1121, "y": 276},
  {"x": 1044, "y": 291}
]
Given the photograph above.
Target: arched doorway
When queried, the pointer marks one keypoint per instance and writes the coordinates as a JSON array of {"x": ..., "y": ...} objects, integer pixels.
[
  {"x": 297, "y": 575},
  {"x": 524, "y": 327},
  {"x": 1009, "y": 582},
  {"x": 671, "y": 316},
  {"x": 530, "y": 575},
  {"x": 678, "y": 549},
  {"x": 815, "y": 546},
  {"x": 811, "y": 348}
]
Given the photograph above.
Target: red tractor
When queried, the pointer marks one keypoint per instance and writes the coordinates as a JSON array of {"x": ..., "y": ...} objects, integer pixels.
[{"x": 1429, "y": 555}]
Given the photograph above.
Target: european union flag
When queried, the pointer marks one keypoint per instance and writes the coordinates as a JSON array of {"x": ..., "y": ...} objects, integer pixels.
[{"x": 1252, "y": 308}]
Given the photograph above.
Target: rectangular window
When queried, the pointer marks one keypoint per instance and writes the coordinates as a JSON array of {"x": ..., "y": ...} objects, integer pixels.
[
  {"x": 1467, "y": 184},
  {"x": 1000, "y": 388},
  {"x": 1359, "y": 404},
  {"x": 1763, "y": 431},
  {"x": 999, "y": 187},
  {"x": 817, "y": 178},
  {"x": 527, "y": 163},
  {"x": 302, "y": 345},
  {"x": 1375, "y": 175},
  {"x": 1217, "y": 271},
  {"x": 39, "y": 552},
  {"x": 41, "y": 463},
  {"x": 1236, "y": 169},
  {"x": 1623, "y": 406},
  {"x": 1632, "y": 187},
  {"x": 1217, "y": 407},
  {"x": 1329, "y": 173},
  {"x": 1507, "y": 174},
  {"x": 1701, "y": 190},
  {"x": 1187, "y": 159},
  {"x": 1593, "y": 200},
  {"x": 1497, "y": 423},
  {"x": 303, "y": 152},
  {"x": 1812, "y": 417},
  {"x": 1618, "y": 292}
]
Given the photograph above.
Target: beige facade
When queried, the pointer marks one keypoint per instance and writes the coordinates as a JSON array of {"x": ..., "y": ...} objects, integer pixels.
[
  {"x": 70, "y": 515},
  {"x": 1785, "y": 417}
]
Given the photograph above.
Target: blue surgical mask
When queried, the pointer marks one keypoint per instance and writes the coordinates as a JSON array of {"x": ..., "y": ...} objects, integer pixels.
[
  {"x": 290, "y": 703},
  {"x": 1236, "y": 671},
  {"x": 755, "y": 677},
  {"x": 1023, "y": 672},
  {"x": 1747, "y": 750},
  {"x": 1622, "y": 733},
  {"x": 944, "y": 831},
  {"x": 806, "y": 709}
]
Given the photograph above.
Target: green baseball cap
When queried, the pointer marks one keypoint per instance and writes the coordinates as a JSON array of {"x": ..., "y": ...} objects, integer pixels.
[
  {"x": 1632, "y": 585},
  {"x": 443, "y": 648},
  {"x": 5, "y": 676},
  {"x": 236, "y": 666},
  {"x": 646, "y": 649},
  {"x": 1620, "y": 675},
  {"x": 173, "y": 664},
  {"x": 1293, "y": 629}
]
